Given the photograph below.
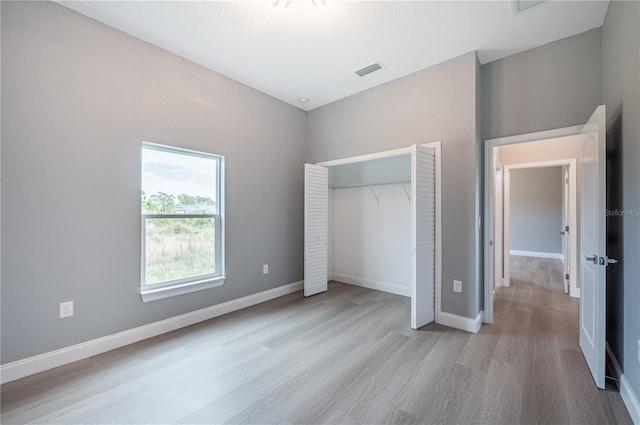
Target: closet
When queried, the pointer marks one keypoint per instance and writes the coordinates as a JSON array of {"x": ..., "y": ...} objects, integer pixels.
[{"x": 374, "y": 221}]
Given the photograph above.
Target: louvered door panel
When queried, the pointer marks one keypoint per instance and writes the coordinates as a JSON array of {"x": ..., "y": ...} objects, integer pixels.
[
  {"x": 316, "y": 228},
  {"x": 423, "y": 214}
]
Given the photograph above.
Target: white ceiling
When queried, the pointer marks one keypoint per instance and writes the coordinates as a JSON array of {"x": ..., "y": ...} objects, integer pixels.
[{"x": 313, "y": 52}]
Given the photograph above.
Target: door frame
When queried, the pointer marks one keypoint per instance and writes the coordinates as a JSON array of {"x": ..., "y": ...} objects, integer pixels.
[
  {"x": 437, "y": 146},
  {"x": 489, "y": 167},
  {"x": 566, "y": 219},
  {"x": 571, "y": 164},
  {"x": 498, "y": 220}
]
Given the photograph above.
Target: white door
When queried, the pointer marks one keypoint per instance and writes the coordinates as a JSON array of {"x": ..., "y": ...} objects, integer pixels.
[
  {"x": 316, "y": 228},
  {"x": 565, "y": 231},
  {"x": 497, "y": 240},
  {"x": 592, "y": 246},
  {"x": 423, "y": 226}
]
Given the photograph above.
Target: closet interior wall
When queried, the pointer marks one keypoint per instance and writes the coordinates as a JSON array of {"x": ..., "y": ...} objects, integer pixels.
[{"x": 370, "y": 224}]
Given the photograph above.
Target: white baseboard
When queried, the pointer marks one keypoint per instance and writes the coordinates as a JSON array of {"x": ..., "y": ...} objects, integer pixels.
[
  {"x": 460, "y": 322},
  {"x": 574, "y": 292},
  {"x": 393, "y": 288},
  {"x": 29, "y": 366},
  {"x": 630, "y": 400},
  {"x": 629, "y": 397},
  {"x": 537, "y": 254}
]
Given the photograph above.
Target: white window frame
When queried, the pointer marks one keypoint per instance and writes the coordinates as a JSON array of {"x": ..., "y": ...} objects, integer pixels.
[{"x": 175, "y": 287}]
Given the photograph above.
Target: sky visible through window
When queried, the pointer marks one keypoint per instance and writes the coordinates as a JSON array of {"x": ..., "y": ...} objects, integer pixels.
[
  {"x": 179, "y": 203},
  {"x": 178, "y": 174}
]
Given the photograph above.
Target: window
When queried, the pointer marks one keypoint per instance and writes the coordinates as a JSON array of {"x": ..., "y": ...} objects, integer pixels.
[{"x": 182, "y": 221}]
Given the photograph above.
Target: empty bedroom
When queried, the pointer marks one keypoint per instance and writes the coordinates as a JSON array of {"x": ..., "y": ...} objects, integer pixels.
[{"x": 293, "y": 211}]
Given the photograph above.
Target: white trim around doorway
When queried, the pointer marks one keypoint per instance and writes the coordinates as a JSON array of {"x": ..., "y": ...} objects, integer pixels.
[
  {"x": 488, "y": 202},
  {"x": 573, "y": 221}
]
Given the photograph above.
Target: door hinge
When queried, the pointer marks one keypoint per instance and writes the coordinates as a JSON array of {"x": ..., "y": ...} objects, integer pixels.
[
  {"x": 566, "y": 229},
  {"x": 566, "y": 276}
]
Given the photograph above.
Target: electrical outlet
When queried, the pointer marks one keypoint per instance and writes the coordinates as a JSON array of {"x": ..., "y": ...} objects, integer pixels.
[
  {"x": 265, "y": 269},
  {"x": 457, "y": 286},
  {"x": 66, "y": 309}
]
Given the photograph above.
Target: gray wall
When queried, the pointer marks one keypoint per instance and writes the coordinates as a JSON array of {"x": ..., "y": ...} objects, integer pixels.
[
  {"x": 78, "y": 98},
  {"x": 621, "y": 94},
  {"x": 552, "y": 86},
  {"x": 536, "y": 209},
  {"x": 438, "y": 103}
]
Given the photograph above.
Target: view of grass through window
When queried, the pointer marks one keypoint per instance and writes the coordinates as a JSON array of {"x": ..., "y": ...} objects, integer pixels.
[
  {"x": 179, "y": 207},
  {"x": 179, "y": 247}
]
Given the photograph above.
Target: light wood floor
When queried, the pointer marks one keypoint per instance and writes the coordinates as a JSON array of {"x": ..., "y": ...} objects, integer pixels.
[{"x": 344, "y": 357}]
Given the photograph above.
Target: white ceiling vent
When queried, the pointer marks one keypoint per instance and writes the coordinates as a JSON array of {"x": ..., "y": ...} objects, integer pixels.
[
  {"x": 520, "y": 6},
  {"x": 369, "y": 69}
]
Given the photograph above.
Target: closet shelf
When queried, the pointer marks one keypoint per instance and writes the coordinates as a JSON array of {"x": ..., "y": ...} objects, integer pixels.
[
  {"x": 373, "y": 192},
  {"x": 369, "y": 184}
]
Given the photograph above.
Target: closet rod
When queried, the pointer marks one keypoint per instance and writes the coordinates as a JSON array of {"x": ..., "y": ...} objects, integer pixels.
[
  {"x": 373, "y": 192},
  {"x": 369, "y": 185}
]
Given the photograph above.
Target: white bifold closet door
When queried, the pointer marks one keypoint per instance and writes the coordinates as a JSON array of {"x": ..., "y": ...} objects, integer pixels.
[
  {"x": 423, "y": 234},
  {"x": 316, "y": 228}
]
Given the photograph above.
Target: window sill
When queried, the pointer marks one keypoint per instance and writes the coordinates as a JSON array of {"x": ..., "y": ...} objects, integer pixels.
[{"x": 185, "y": 288}]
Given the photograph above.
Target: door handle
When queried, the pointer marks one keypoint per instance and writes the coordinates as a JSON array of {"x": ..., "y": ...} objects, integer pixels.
[
  {"x": 593, "y": 259},
  {"x": 602, "y": 261}
]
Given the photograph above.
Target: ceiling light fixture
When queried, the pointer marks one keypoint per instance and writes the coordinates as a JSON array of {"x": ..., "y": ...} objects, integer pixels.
[{"x": 285, "y": 3}]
